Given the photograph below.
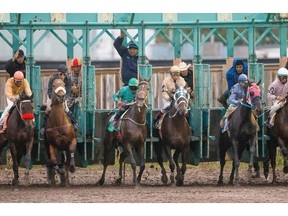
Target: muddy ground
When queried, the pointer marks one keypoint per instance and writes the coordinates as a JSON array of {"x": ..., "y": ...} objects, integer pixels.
[{"x": 200, "y": 186}]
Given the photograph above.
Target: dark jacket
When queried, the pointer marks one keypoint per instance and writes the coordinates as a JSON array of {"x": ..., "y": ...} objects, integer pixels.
[
  {"x": 129, "y": 63},
  {"x": 12, "y": 66},
  {"x": 189, "y": 79},
  {"x": 67, "y": 82},
  {"x": 232, "y": 75}
]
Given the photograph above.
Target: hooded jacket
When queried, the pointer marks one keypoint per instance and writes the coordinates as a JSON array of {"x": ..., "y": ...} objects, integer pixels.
[{"x": 232, "y": 75}]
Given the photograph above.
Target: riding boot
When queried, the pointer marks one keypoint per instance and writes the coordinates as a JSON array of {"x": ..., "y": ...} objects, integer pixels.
[
  {"x": 43, "y": 126},
  {"x": 155, "y": 121},
  {"x": 223, "y": 99},
  {"x": 73, "y": 121}
]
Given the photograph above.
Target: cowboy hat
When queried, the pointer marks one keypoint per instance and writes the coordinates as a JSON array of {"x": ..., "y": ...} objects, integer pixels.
[{"x": 183, "y": 66}]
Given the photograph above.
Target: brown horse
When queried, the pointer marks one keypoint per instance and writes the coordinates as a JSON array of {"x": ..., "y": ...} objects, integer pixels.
[
  {"x": 175, "y": 134},
  {"x": 59, "y": 136},
  {"x": 134, "y": 132},
  {"x": 242, "y": 131},
  {"x": 19, "y": 135},
  {"x": 278, "y": 137}
]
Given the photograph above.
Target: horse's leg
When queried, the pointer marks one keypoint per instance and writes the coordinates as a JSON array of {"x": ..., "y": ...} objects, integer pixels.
[
  {"x": 252, "y": 144},
  {"x": 15, "y": 181},
  {"x": 236, "y": 160},
  {"x": 29, "y": 146},
  {"x": 72, "y": 149},
  {"x": 142, "y": 162},
  {"x": 223, "y": 149},
  {"x": 179, "y": 176},
  {"x": 132, "y": 161},
  {"x": 167, "y": 150},
  {"x": 158, "y": 150},
  {"x": 121, "y": 161},
  {"x": 273, "y": 150},
  {"x": 231, "y": 179},
  {"x": 109, "y": 153}
]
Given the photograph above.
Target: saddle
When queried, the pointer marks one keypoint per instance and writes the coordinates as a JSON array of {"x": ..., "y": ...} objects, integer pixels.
[{"x": 111, "y": 127}]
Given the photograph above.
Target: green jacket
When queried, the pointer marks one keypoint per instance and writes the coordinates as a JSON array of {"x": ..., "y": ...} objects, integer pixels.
[{"x": 125, "y": 94}]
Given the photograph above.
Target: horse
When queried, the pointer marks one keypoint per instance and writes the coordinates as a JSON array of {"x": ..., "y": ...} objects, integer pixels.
[
  {"x": 59, "y": 136},
  {"x": 19, "y": 135},
  {"x": 175, "y": 134},
  {"x": 278, "y": 137},
  {"x": 133, "y": 130},
  {"x": 242, "y": 129}
]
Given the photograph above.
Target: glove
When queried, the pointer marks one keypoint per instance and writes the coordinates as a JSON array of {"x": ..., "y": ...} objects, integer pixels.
[
  {"x": 120, "y": 104},
  {"x": 75, "y": 90}
]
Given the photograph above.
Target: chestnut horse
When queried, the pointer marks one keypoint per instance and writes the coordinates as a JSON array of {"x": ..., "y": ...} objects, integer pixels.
[
  {"x": 134, "y": 132},
  {"x": 242, "y": 131},
  {"x": 278, "y": 137},
  {"x": 175, "y": 133},
  {"x": 59, "y": 136},
  {"x": 19, "y": 135}
]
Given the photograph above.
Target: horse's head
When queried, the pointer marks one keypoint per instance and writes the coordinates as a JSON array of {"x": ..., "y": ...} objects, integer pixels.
[
  {"x": 181, "y": 100},
  {"x": 25, "y": 107},
  {"x": 142, "y": 94},
  {"x": 255, "y": 96},
  {"x": 58, "y": 90}
]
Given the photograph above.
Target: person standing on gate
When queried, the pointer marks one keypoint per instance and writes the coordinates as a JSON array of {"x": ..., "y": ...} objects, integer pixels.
[
  {"x": 239, "y": 67},
  {"x": 169, "y": 86},
  {"x": 277, "y": 91},
  {"x": 13, "y": 88},
  {"x": 187, "y": 74},
  {"x": 17, "y": 63},
  {"x": 75, "y": 75},
  {"x": 129, "y": 56}
]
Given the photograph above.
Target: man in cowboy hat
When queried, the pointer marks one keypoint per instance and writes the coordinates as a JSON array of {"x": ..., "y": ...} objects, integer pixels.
[{"x": 187, "y": 74}]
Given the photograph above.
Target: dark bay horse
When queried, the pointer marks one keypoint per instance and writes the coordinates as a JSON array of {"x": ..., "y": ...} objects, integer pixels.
[
  {"x": 242, "y": 131},
  {"x": 278, "y": 137},
  {"x": 175, "y": 134},
  {"x": 59, "y": 136},
  {"x": 134, "y": 132},
  {"x": 19, "y": 135}
]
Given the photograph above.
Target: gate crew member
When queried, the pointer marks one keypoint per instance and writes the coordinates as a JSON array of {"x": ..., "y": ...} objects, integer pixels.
[{"x": 239, "y": 67}]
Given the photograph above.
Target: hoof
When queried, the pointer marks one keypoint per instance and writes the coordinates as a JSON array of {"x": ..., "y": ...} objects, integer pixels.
[
  {"x": 118, "y": 182},
  {"x": 256, "y": 174},
  {"x": 72, "y": 169},
  {"x": 164, "y": 179},
  {"x": 100, "y": 182}
]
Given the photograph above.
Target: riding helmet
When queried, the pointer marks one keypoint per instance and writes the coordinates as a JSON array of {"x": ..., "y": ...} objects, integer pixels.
[
  {"x": 18, "y": 75},
  {"x": 242, "y": 78},
  {"x": 76, "y": 62},
  {"x": 133, "y": 82},
  {"x": 282, "y": 72}
]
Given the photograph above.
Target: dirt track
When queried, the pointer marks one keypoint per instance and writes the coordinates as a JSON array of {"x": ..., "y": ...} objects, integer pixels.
[{"x": 200, "y": 187}]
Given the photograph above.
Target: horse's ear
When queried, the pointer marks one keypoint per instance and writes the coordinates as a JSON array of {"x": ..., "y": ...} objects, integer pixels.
[{"x": 259, "y": 82}]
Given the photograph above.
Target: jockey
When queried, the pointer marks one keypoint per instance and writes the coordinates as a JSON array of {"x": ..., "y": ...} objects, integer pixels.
[
  {"x": 169, "y": 86},
  {"x": 61, "y": 74},
  {"x": 76, "y": 83},
  {"x": 277, "y": 91},
  {"x": 237, "y": 95},
  {"x": 127, "y": 95},
  {"x": 13, "y": 88},
  {"x": 239, "y": 67}
]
